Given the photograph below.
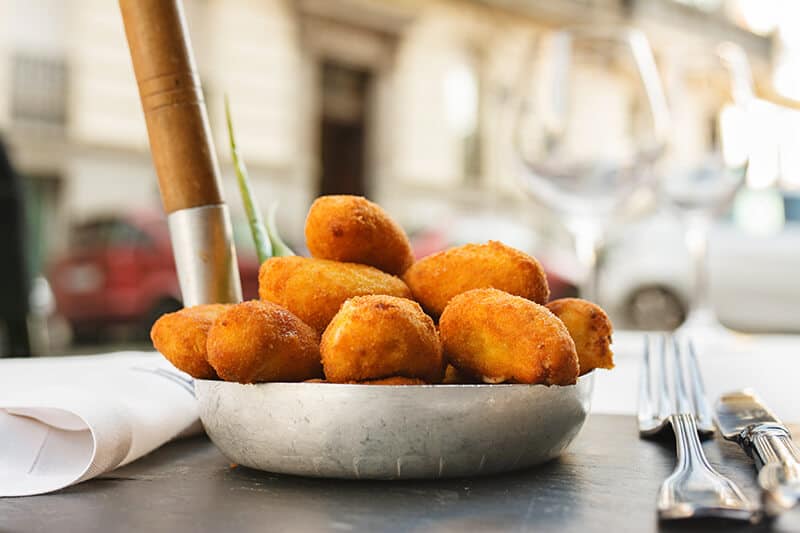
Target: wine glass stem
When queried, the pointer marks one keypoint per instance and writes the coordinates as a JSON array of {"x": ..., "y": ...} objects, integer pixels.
[
  {"x": 696, "y": 236},
  {"x": 587, "y": 243}
]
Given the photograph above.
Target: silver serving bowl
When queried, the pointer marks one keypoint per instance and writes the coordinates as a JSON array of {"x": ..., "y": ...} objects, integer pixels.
[{"x": 391, "y": 432}]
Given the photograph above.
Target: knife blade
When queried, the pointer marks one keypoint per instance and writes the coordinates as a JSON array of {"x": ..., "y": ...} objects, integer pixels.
[{"x": 742, "y": 417}]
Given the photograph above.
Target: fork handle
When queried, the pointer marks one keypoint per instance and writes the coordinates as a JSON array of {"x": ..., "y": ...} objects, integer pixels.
[
  {"x": 701, "y": 491},
  {"x": 778, "y": 460},
  {"x": 689, "y": 449}
]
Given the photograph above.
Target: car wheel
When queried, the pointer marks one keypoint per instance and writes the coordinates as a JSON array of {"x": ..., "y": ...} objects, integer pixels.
[{"x": 655, "y": 308}]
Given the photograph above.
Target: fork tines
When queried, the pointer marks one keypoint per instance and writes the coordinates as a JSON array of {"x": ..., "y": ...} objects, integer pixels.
[{"x": 671, "y": 383}]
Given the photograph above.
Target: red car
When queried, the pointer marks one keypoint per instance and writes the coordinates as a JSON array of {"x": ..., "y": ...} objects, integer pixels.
[{"x": 119, "y": 271}]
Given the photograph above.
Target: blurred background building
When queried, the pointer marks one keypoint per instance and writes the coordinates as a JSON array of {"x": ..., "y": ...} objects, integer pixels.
[{"x": 406, "y": 101}]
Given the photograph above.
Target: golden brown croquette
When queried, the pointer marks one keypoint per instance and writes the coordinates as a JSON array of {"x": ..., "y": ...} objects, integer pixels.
[
  {"x": 505, "y": 338},
  {"x": 437, "y": 278},
  {"x": 181, "y": 338},
  {"x": 590, "y": 328},
  {"x": 314, "y": 289},
  {"x": 376, "y": 337},
  {"x": 354, "y": 230},
  {"x": 257, "y": 341}
]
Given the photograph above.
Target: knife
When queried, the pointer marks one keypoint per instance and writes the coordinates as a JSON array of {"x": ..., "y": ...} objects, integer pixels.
[{"x": 742, "y": 417}]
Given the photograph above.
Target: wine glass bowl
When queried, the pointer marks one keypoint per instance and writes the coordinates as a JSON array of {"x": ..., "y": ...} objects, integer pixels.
[
  {"x": 706, "y": 175},
  {"x": 592, "y": 121},
  {"x": 708, "y": 187}
]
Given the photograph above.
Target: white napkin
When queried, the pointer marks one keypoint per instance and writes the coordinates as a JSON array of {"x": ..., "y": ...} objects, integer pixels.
[{"x": 64, "y": 420}]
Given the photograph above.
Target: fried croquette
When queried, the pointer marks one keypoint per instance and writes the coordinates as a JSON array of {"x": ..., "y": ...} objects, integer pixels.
[
  {"x": 181, "y": 338},
  {"x": 314, "y": 289},
  {"x": 259, "y": 341},
  {"x": 437, "y": 278},
  {"x": 505, "y": 338},
  {"x": 376, "y": 337},
  {"x": 590, "y": 328},
  {"x": 354, "y": 230}
]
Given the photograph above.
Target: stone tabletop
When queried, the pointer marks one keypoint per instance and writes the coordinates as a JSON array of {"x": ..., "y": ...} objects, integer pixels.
[{"x": 606, "y": 481}]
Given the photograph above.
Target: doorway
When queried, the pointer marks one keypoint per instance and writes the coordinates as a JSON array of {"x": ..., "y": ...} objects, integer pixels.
[{"x": 344, "y": 129}]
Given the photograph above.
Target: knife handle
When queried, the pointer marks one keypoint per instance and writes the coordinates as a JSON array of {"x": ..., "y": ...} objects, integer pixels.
[
  {"x": 773, "y": 444},
  {"x": 778, "y": 459}
]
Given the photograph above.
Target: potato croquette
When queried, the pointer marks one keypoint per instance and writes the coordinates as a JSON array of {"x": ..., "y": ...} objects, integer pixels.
[
  {"x": 314, "y": 289},
  {"x": 376, "y": 337},
  {"x": 181, "y": 338},
  {"x": 591, "y": 330},
  {"x": 506, "y": 338},
  {"x": 354, "y": 230},
  {"x": 258, "y": 341},
  {"x": 435, "y": 279}
]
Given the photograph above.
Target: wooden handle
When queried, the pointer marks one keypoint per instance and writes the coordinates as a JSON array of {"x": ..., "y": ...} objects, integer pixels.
[{"x": 172, "y": 100}]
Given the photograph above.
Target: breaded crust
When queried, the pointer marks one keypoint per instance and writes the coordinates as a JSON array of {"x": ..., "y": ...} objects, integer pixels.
[
  {"x": 437, "y": 278},
  {"x": 181, "y": 338},
  {"x": 591, "y": 330},
  {"x": 376, "y": 337},
  {"x": 257, "y": 341},
  {"x": 314, "y": 289},
  {"x": 505, "y": 338},
  {"x": 354, "y": 230}
]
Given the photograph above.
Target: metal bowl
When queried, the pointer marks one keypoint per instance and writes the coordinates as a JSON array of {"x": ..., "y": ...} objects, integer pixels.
[{"x": 391, "y": 432}]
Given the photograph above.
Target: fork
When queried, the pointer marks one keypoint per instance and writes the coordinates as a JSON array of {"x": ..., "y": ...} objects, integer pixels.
[{"x": 694, "y": 489}]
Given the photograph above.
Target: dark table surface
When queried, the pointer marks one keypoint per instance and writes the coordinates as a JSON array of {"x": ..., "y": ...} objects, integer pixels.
[{"x": 606, "y": 482}]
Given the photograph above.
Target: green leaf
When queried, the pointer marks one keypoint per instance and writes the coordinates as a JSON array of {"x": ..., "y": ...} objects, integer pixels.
[
  {"x": 262, "y": 240},
  {"x": 279, "y": 248}
]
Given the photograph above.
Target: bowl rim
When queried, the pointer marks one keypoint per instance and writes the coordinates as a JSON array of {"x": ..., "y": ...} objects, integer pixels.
[{"x": 494, "y": 386}]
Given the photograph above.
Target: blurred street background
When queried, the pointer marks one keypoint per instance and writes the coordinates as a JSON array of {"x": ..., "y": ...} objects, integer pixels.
[{"x": 411, "y": 103}]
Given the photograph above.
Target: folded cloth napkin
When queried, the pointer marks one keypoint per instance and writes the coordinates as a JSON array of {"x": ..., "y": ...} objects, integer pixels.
[{"x": 64, "y": 420}]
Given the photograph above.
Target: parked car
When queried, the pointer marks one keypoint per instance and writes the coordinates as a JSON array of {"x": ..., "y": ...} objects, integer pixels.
[
  {"x": 646, "y": 277},
  {"x": 118, "y": 270}
]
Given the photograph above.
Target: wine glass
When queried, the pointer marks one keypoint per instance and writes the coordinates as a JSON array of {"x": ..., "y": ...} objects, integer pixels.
[
  {"x": 707, "y": 172},
  {"x": 592, "y": 121}
]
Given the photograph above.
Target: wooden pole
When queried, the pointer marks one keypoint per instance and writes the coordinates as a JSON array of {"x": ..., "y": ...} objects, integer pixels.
[
  {"x": 182, "y": 150},
  {"x": 169, "y": 87}
]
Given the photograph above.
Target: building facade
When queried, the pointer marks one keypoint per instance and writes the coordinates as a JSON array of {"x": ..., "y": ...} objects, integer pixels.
[{"x": 410, "y": 102}]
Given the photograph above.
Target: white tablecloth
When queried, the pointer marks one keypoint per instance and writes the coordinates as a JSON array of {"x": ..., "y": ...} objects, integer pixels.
[{"x": 769, "y": 364}]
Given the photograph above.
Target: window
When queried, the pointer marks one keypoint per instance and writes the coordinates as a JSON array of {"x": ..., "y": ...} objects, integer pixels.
[
  {"x": 38, "y": 93},
  {"x": 462, "y": 111}
]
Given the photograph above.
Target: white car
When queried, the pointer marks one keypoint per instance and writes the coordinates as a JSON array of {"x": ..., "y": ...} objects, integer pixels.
[{"x": 646, "y": 278}]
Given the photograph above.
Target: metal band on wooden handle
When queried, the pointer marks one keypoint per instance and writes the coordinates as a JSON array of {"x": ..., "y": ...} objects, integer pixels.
[{"x": 172, "y": 100}]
